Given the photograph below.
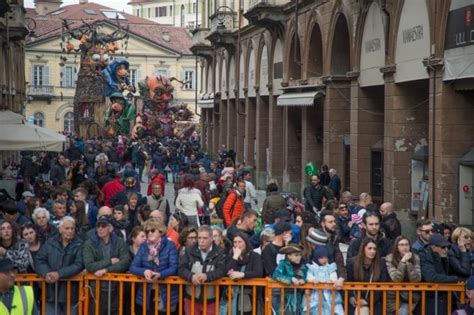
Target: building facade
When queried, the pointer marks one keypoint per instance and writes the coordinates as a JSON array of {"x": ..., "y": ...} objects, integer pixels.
[
  {"x": 13, "y": 30},
  {"x": 382, "y": 91},
  {"x": 51, "y": 74},
  {"x": 180, "y": 13}
]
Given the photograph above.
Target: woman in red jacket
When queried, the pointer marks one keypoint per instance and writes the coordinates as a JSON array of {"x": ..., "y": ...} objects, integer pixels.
[{"x": 234, "y": 204}]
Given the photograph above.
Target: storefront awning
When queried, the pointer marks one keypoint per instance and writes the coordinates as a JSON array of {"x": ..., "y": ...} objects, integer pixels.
[
  {"x": 468, "y": 158},
  {"x": 299, "y": 99},
  {"x": 209, "y": 103}
]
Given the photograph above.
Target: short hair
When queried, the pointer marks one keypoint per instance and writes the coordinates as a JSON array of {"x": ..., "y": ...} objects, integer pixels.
[
  {"x": 332, "y": 171},
  {"x": 272, "y": 187},
  {"x": 155, "y": 224},
  {"x": 239, "y": 182},
  {"x": 65, "y": 220},
  {"x": 132, "y": 194},
  {"x": 183, "y": 236},
  {"x": 371, "y": 214},
  {"x": 58, "y": 202},
  {"x": 347, "y": 193},
  {"x": 325, "y": 214},
  {"x": 457, "y": 233},
  {"x": 58, "y": 191},
  {"x": 205, "y": 228},
  {"x": 422, "y": 222},
  {"x": 39, "y": 211},
  {"x": 249, "y": 213},
  {"x": 135, "y": 231},
  {"x": 331, "y": 205},
  {"x": 80, "y": 190},
  {"x": 267, "y": 234}
]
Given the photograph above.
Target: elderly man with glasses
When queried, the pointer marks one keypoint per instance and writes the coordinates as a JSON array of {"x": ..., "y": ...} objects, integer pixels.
[
  {"x": 435, "y": 268},
  {"x": 105, "y": 252}
]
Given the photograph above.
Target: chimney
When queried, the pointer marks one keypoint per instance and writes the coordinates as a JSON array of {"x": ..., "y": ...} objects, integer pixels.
[
  {"x": 83, "y": 1},
  {"x": 44, "y": 7}
]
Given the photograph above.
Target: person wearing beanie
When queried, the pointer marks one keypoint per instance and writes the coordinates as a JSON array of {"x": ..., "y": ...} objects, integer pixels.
[
  {"x": 468, "y": 309},
  {"x": 270, "y": 257},
  {"x": 321, "y": 271},
  {"x": 291, "y": 271}
]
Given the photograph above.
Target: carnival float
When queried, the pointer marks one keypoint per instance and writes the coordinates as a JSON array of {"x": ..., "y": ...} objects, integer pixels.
[{"x": 105, "y": 101}]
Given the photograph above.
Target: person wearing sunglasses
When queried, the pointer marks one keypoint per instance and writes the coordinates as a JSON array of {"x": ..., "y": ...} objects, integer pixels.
[
  {"x": 435, "y": 268},
  {"x": 105, "y": 252},
  {"x": 424, "y": 230},
  {"x": 156, "y": 259}
]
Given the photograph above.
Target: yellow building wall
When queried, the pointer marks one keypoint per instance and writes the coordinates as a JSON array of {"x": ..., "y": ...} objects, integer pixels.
[{"x": 143, "y": 56}]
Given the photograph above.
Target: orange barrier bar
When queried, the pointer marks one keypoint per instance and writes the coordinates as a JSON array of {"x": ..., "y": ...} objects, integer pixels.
[{"x": 361, "y": 290}]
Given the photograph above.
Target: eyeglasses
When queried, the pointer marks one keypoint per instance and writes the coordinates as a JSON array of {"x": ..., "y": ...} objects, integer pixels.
[
  {"x": 102, "y": 225},
  {"x": 150, "y": 231},
  {"x": 192, "y": 237}
]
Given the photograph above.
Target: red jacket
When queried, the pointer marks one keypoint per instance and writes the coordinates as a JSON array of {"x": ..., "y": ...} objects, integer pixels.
[
  {"x": 158, "y": 179},
  {"x": 110, "y": 189},
  {"x": 233, "y": 207}
]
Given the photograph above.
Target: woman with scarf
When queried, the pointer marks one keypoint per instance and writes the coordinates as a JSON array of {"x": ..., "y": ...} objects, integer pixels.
[{"x": 156, "y": 259}]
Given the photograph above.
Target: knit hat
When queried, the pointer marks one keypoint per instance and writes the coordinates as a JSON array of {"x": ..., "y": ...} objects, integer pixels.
[
  {"x": 281, "y": 227},
  {"x": 317, "y": 237},
  {"x": 319, "y": 252},
  {"x": 291, "y": 249}
]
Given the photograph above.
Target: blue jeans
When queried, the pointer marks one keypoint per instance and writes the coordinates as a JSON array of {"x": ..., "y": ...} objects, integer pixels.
[{"x": 175, "y": 171}]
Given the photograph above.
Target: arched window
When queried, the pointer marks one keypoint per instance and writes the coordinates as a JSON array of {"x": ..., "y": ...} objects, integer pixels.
[
  {"x": 38, "y": 119},
  {"x": 183, "y": 12},
  {"x": 69, "y": 122}
]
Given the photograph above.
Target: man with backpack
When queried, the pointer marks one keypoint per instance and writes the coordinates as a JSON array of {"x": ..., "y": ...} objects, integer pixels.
[{"x": 234, "y": 203}]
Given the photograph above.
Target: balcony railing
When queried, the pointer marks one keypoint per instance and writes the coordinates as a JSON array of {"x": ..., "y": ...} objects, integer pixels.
[{"x": 41, "y": 90}]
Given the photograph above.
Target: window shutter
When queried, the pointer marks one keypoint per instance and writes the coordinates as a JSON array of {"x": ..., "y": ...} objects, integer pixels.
[
  {"x": 75, "y": 77},
  {"x": 63, "y": 79},
  {"x": 138, "y": 75},
  {"x": 46, "y": 75},
  {"x": 193, "y": 86},
  {"x": 33, "y": 69}
]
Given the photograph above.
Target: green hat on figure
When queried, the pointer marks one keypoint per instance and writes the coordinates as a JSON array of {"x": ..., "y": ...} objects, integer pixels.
[{"x": 311, "y": 169}]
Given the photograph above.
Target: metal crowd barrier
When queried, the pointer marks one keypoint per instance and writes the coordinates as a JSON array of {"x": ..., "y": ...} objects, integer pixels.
[{"x": 267, "y": 296}]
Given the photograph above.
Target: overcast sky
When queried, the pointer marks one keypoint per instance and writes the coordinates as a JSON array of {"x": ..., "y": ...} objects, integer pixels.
[{"x": 120, "y": 5}]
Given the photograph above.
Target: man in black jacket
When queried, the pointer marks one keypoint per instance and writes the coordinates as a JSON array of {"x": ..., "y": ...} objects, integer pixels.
[
  {"x": 314, "y": 194},
  {"x": 390, "y": 224},
  {"x": 201, "y": 263},
  {"x": 435, "y": 269},
  {"x": 371, "y": 222}
]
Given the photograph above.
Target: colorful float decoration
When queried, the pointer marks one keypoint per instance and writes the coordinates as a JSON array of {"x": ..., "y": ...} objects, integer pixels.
[{"x": 105, "y": 97}]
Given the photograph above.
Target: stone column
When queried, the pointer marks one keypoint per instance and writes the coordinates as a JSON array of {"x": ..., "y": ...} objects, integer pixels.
[
  {"x": 336, "y": 124},
  {"x": 250, "y": 132},
  {"x": 222, "y": 123},
  {"x": 275, "y": 141},
  {"x": 240, "y": 134},
  {"x": 367, "y": 132},
  {"x": 452, "y": 117},
  {"x": 231, "y": 128},
  {"x": 312, "y": 140},
  {"x": 262, "y": 134},
  {"x": 405, "y": 131}
]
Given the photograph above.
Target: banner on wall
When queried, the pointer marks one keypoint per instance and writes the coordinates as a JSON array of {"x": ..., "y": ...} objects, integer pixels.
[{"x": 459, "y": 42}]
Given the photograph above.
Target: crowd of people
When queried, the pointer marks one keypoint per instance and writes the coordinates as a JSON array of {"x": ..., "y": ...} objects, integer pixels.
[{"x": 85, "y": 209}]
